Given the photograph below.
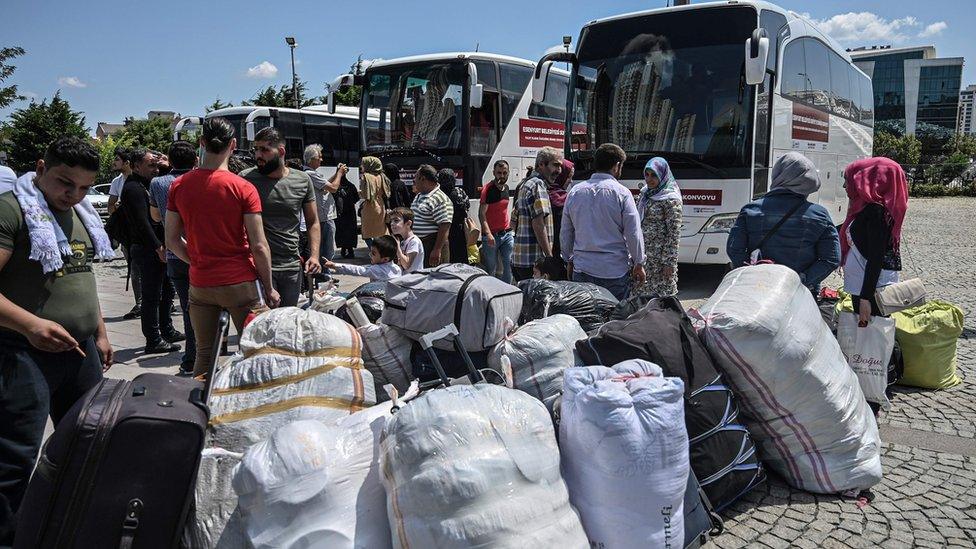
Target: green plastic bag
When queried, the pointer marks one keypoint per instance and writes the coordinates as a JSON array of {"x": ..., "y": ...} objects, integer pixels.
[{"x": 928, "y": 335}]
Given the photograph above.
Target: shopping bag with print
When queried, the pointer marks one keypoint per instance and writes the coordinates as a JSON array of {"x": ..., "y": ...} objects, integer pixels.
[{"x": 868, "y": 351}]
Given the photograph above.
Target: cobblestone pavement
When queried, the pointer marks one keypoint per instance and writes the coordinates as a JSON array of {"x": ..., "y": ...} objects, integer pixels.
[{"x": 928, "y": 495}]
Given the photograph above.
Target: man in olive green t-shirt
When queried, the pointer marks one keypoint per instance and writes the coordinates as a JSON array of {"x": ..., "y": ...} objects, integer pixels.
[
  {"x": 284, "y": 194},
  {"x": 53, "y": 344}
]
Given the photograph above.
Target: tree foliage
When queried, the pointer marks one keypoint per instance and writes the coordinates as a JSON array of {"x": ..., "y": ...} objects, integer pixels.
[
  {"x": 8, "y": 94},
  {"x": 905, "y": 150},
  {"x": 154, "y": 133},
  {"x": 106, "y": 155},
  {"x": 348, "y": 96},
  {"x": 34, "y": 127},
  {"x": 281, "y": 97},
  {"x": 217, "y": 105}
]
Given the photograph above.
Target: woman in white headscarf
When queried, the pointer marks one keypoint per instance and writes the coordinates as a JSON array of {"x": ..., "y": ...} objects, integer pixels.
[
  {"x": 659, "y": 206},
  {"x": 806, "y": 241}
]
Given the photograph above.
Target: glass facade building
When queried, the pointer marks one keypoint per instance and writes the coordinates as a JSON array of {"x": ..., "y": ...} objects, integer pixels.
[{"x": 912, "y": 86}]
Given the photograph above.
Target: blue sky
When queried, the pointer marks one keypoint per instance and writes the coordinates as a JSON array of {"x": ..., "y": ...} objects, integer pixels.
[{"x": 113, "y": 59}]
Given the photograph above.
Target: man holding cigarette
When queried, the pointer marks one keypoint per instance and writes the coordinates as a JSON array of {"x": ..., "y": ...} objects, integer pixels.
[{"x": 53, "y": 344}]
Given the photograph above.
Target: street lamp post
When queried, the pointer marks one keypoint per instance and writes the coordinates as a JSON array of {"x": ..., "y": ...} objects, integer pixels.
[{"x": 290, "y": 40}]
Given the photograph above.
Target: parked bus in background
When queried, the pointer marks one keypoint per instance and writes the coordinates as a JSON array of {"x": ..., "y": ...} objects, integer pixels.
[
  {"x": 459, "y": 110},
  {"x": 721, "y": 90},
  {"x": 337, "y": 132}
]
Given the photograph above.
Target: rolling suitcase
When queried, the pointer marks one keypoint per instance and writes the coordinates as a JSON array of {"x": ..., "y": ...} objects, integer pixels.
[{"x": 120, "y": 468}]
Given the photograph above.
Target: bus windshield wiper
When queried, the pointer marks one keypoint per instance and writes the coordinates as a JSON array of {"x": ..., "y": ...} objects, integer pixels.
[
  {"x": 398, "y": 150},
  {"x": 674, "y": 157}
]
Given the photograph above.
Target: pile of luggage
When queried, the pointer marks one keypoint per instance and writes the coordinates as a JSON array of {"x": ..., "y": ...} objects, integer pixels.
[{"x": 430, "y": 418}]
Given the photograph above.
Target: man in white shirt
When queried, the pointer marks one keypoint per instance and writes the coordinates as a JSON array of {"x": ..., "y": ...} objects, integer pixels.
[{"x": 325, "y": 202}]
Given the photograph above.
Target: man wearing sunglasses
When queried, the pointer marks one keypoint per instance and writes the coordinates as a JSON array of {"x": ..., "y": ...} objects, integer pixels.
[{"x": 284, "y": 194}]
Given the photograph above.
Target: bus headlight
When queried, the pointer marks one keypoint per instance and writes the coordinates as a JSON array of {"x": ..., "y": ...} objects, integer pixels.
[{"x": 720, "y": 223}]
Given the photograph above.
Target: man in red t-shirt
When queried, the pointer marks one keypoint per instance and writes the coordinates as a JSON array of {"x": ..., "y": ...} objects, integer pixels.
[
  {"x": 219, "y": 215},
  {"x": 498, "y": 240}
]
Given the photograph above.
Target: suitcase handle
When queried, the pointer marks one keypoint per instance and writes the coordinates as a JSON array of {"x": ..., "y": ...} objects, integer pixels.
[
  {"x": 201, "y": 396},
  {"x": 449, "y": 331}
]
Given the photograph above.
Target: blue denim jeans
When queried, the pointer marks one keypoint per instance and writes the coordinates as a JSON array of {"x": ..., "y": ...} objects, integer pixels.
[
  {"x": 327, "y": 246},
  {"x": 179, "y": 273},
  {"x": 502, "y": 250},
  {"x": 619, "y": 287}
]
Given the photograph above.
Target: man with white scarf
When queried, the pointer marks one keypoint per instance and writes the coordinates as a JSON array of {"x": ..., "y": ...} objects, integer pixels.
[{"x": 53, "y": 343}]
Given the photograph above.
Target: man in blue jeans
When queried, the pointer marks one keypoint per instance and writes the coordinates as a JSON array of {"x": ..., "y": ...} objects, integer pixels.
[
  {"x": 601, "y": 235},
  {"x": 498, "y": 240},
  {"x": 183, "y": 158}
]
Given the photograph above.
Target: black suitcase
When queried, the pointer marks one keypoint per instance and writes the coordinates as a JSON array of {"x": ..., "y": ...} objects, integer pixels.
[{"x": 120, "y": 468}]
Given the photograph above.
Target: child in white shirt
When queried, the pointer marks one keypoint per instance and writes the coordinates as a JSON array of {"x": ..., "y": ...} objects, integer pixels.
[
  {"x": 411, "y": 253},
  {"x": 382, "y": 255}
]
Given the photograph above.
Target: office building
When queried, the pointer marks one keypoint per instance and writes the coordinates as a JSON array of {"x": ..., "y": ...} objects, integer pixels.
[
  {"x": 967, "y": 110},
  {"x": 912, "y": 86}
]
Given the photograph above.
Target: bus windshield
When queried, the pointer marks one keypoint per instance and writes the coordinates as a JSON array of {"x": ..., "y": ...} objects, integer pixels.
[
  {"x": 671, "y": 84},
  {"x": 420, "y": 106}
]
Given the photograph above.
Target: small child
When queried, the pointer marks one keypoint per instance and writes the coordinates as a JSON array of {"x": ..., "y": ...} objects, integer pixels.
[
  {"x": 547, "y": 268},
  {"x": 382, "y": 255},
  {"x": 410, "y": 255}
]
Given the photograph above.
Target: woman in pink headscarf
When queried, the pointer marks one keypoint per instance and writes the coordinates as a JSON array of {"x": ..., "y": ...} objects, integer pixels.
[
  {"x": 870, "y": 238},
  {"x": 558, "y": 190}
]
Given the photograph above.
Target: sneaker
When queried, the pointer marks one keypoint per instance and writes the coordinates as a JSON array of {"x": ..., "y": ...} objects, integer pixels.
[
  {"x": 136, "y": 312},
  {"x": 175, "y": 310},
  {"x": 161, "y": 348},
  {"x": 174, "y": 336},
  {"x": 186, "y": 370}
]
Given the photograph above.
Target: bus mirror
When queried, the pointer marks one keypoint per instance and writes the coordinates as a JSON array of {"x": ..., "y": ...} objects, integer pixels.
[
  {"x": 250, "y": 131},
  {"x": 476, "y": 90},
  {"x": 178, "y": 129},
  {"x": 757, "y": 54},
  {"x": 340, "y": 82},
  {"x": 539, "y": 82}
]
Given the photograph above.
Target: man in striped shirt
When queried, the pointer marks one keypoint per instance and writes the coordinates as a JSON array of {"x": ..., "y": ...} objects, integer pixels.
[{"x": 432, "y": 213}]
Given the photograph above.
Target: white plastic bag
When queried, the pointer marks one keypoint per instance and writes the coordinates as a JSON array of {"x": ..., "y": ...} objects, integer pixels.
[
  {"x": 539, "y": 351},
  {"x": 317, "y": 484},
  {"x": 799, "y": 399},
  {"x": 625, "y": 454},
  {"x": 868, "y": 352},
  {"x": 386, "y": 354},
  {"x": 476, "y": 466}
]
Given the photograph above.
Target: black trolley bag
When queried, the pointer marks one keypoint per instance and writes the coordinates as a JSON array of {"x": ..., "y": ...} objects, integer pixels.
[
  {"x": 120, "y": 468},
  {"x": 722, "y": 454}
]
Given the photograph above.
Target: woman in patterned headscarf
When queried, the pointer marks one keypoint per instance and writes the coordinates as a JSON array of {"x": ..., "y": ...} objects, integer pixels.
[
  {"x": 374, "y": 189},
  {"x": 659, "y": 206}
]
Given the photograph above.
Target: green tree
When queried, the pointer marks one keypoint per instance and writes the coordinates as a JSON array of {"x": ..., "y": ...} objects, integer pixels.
[
  {"x": 154, "y": 133},
  {"x": 281, "y": 97},
  {"x": 348, "y": 96},
  {"x": 217, "y": 105},
  {"x": 961, "y": 143},
  {"x": 905, "y": 150},
  {"x": 106, "y": 154},
  {"x": 8, "y": 94},
  {"x": 34, "y": 127}
]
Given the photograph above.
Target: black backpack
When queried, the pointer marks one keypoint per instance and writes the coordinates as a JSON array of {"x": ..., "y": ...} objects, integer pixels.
[
  {"x": 117, "y": 227},
  {"x": 722, "y": 454}
]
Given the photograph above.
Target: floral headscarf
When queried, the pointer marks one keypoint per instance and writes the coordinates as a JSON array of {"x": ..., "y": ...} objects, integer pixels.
[{"x": 667, "y": 189}]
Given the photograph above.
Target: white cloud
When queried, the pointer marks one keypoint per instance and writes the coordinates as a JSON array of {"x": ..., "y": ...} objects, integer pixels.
[
  {"x": 71, "y": 82},
  {"x": 264, "y": 69},
  {"x": 933, "y": 29},
  {"x": 866, "y": 27}
]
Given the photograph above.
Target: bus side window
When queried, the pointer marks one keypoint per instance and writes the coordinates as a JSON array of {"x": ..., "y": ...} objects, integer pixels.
[
  {"x": 328, "y": 137},
  {"x": 484, "y": 121},
  {"x": 794, "y": 71},
  {"x": 350, "y": 142},
  {"x": 515, "y": 80}
]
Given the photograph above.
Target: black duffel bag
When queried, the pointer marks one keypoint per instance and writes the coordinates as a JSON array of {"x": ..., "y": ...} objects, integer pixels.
[
  {"x": 370, "y": 296},
  {"x": 589, "y": 304},
  {"x": 722, "y": 454}
]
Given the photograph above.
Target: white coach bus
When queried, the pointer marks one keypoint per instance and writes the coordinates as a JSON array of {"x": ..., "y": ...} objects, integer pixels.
[
  {"x": 460, "y": 110},
  {"x": 337, "y": 132},
  {"x": 721, "y": 90}
]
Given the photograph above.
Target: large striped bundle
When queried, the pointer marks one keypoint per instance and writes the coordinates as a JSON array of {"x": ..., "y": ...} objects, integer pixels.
[
  {"x": 293, "y": 365},
  {"x": 800, "y": 400}
]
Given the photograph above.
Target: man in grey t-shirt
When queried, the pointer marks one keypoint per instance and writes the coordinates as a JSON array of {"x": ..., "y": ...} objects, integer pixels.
[{"x": 284, "y": 193}]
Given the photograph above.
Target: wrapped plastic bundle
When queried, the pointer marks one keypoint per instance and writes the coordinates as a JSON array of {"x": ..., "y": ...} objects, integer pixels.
[
  {"x": 800, "y": 400},
  {"x": 476, "y": 466},
  {"x": 589, "y": 304},
  {"x": 625, "y": 447},
  {"x": 539, "y": 352},
  {"x": 294, "y": 365},
  {"x": 316, "y": 484},
  {"x": 370, "y": 296},
  {"x": 386, "y": 353}
]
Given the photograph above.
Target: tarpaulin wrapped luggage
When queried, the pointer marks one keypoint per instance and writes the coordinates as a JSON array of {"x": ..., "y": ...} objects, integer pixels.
[
  {"x": 317, "y": 484},
  {"x": 800, "y": 399},
  {"x": 539, "y": 352},
  {"x": 293, "y": 365},
  {"x": 476, "y": 466},
  {"x": 386, "y": 354},
  {"x": 463, "y": 295},
  {"x": 722, "y": 453},
  {"x": 625, "y": 454},
  {"x": 589, "y": 304}
]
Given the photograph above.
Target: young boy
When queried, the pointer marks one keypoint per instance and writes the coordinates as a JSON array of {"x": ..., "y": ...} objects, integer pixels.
[
  {"x": 410, "y": 255},
  {"x": 382, "y": 255},
  {"x": 547, "y": 268}
]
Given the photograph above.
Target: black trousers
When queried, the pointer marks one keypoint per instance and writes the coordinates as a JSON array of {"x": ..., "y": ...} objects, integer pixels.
[
  {"x": 157, "y": 295},
  {"x": 33, "y": 385}
]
